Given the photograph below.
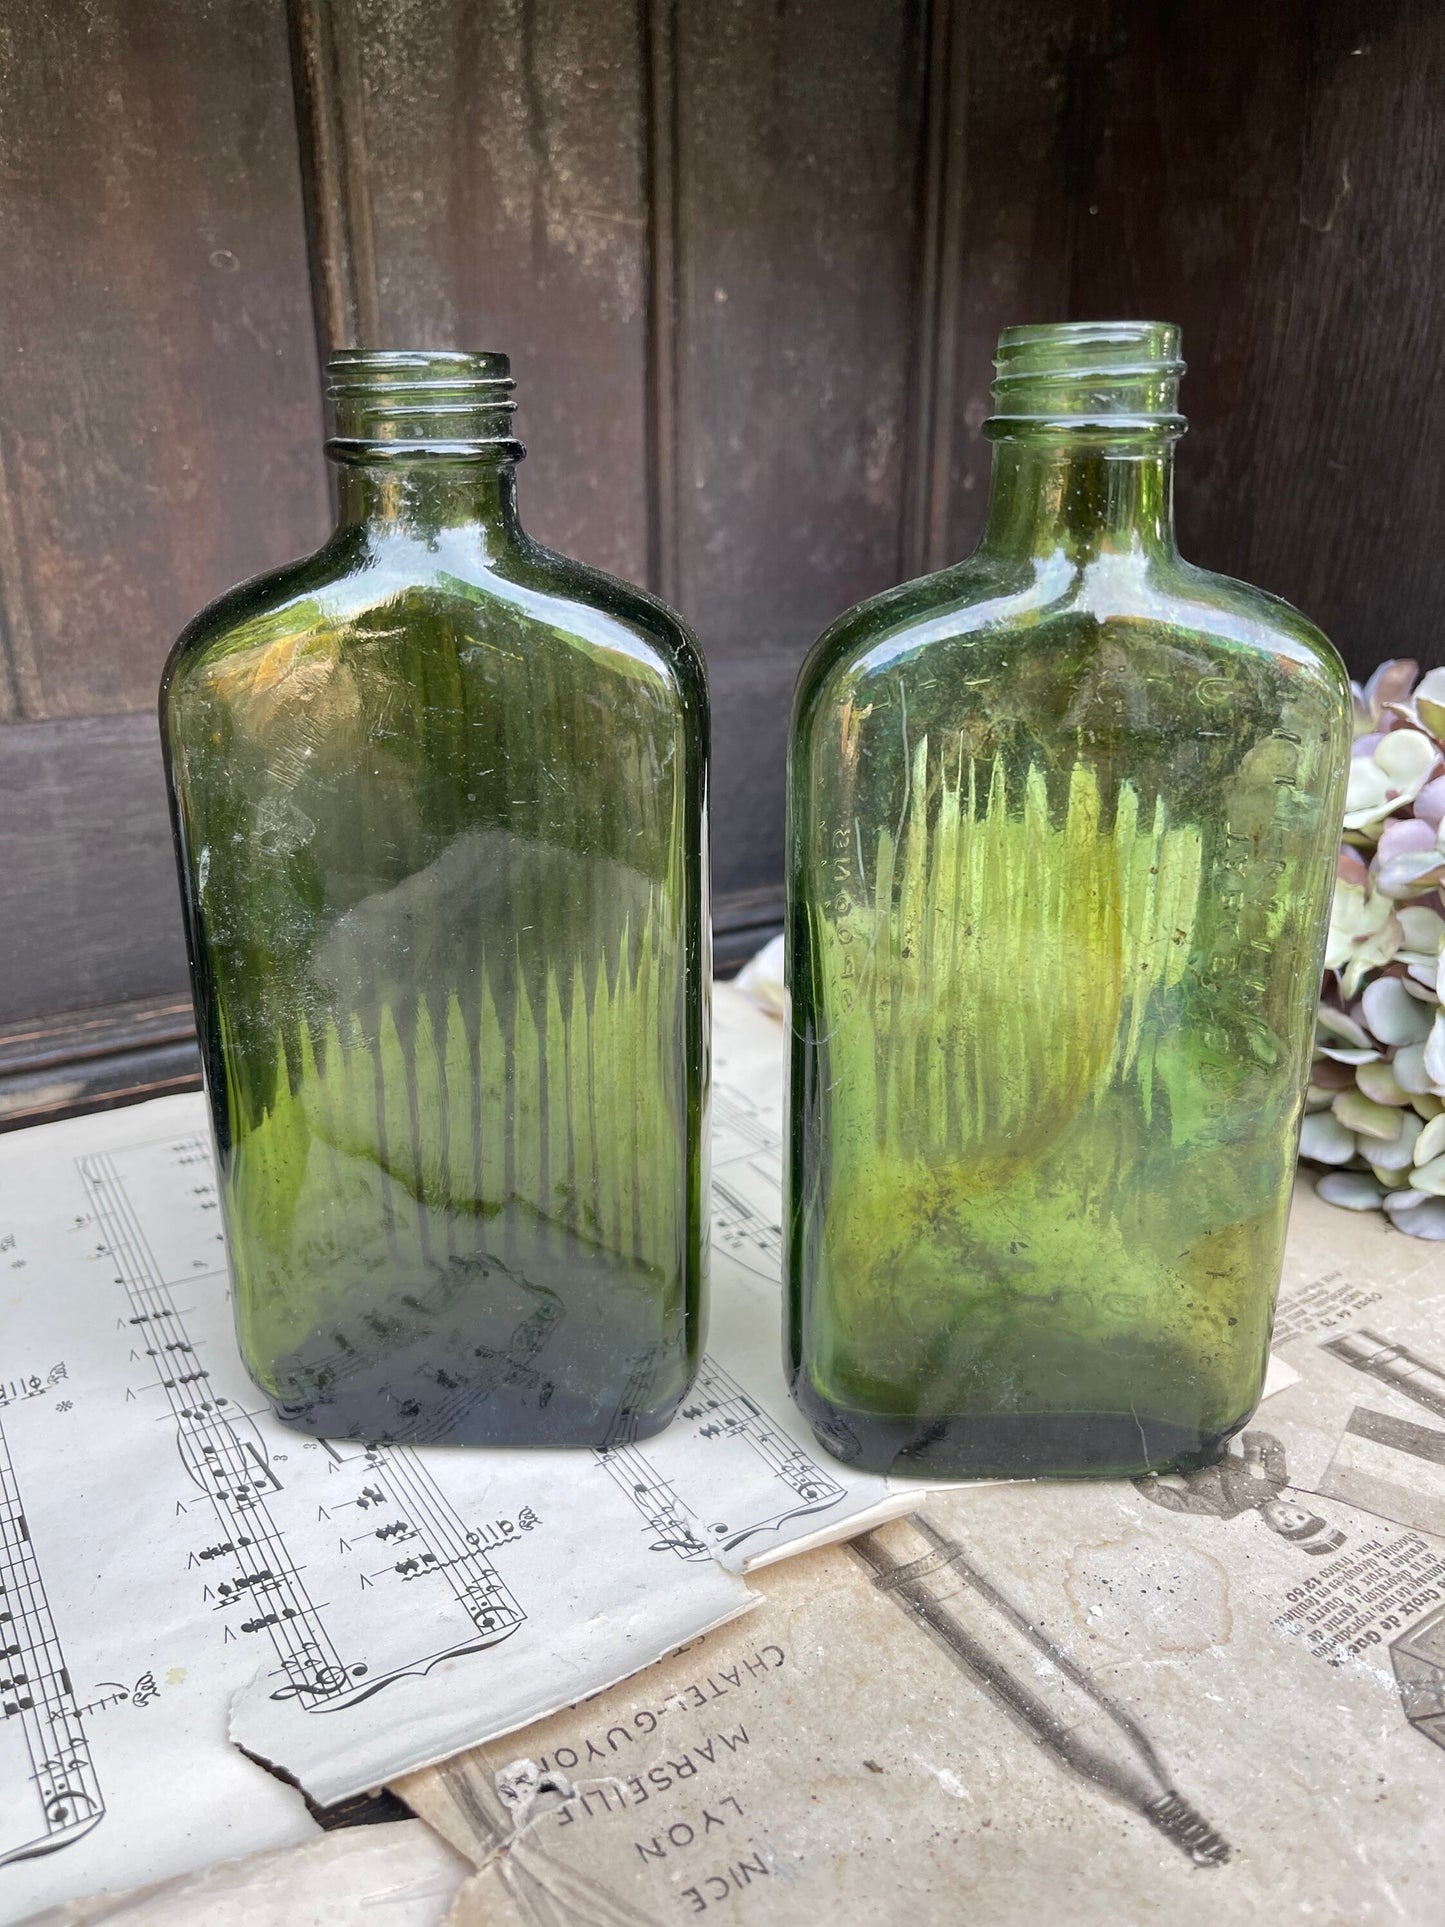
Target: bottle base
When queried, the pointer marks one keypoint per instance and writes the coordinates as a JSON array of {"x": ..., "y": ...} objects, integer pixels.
[
  {"x": 1043, "y": 1445},
  {"x": 481, "y": 1419}
]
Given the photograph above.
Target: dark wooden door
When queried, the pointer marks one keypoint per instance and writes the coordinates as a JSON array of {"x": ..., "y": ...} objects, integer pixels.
[{"x": 749, "y": 258}]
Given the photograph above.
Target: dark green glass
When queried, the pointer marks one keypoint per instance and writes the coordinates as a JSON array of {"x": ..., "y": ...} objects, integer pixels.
[
  {"x": 1063, "y": 822},
  {"x": 440, "y": 801}
]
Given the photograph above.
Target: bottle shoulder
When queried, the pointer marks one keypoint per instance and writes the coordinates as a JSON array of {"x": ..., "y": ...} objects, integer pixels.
[
  {"x": 277, "y": 600},
  {"x": 977, "y": 617},
  {"x": 595, "y": 594},
  {"x": 1252, "y": 614},
  {"x": 448, "y": 594}
]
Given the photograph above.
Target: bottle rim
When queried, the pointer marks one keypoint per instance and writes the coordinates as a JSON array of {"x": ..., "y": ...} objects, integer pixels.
[
  {"x": 1087, "y": 378},
  {"x": 400, "y": 370},
  {"x": 1154, "y": 342},
  {"x": 394, "y": 404}
]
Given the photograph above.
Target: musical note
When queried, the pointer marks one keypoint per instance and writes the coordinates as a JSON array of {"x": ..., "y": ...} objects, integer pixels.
[
  {"x": 756, "y": 1242},
  {"x": 732, "y": 1414},
  {"x": 666, "y": 1517},
  {"x": 409, "y": 1568},
  {"x": 63, "y": 1785}
]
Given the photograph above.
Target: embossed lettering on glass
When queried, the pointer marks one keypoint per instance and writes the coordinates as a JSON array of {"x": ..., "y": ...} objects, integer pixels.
[
  {"x": 439, "y": 798},
  {"x": 1063, "y": 822}
]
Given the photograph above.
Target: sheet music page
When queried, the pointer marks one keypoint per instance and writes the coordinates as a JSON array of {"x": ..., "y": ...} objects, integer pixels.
[{"x": 181, "y": 1572}]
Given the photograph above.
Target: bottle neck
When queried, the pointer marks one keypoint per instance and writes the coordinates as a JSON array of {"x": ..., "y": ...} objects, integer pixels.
[
  {"x": 423, "y": 441},
  {"x": 1097, "y": 496},
  {"x": 420, "y": 501}
]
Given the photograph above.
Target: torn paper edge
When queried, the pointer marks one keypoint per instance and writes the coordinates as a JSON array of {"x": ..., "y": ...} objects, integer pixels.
[{"x": 330, "y": 1781}]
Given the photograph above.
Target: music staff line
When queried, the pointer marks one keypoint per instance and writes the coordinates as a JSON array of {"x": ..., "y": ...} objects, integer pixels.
[
  {"x": 38, "y": 1692},
  {"x": 746, "y": 1147},
  {"x": 210, "y": 1446},
  {"x": 719, "y": 1409},
  {"x": 225, "y": 1457}
]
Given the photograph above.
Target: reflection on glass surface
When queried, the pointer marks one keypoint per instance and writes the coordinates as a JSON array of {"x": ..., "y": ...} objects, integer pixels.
[
  {"x": 439, "y": 799},
  {"x": 1063, "y": 823}
]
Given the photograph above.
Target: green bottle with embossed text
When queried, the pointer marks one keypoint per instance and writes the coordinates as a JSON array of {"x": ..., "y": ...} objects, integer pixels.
[
  {"x": 439, "y": 800},
  {"x": 1063, "y": 822}
]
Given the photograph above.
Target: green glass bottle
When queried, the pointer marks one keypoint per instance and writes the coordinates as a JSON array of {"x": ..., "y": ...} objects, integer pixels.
[
  {"x": 439, "y": 798},
  {"x": 1063, "y": 822}
]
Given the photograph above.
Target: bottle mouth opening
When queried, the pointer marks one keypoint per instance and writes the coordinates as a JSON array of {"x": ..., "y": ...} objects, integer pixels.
[
  {"x": 395, "y": 404},
  {"x": 1080, "y": 379}
]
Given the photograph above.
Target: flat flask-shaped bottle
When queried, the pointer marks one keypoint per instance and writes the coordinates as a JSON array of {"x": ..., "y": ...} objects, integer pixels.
[
  {"x": 439, "y": 798},
  {"x": 1063, "y": 822}
]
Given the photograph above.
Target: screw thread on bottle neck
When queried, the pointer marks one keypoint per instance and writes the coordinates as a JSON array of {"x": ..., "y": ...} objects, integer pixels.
[
  {"x": 401, "y": 405},
  {"x": 1081, "y": 382}
]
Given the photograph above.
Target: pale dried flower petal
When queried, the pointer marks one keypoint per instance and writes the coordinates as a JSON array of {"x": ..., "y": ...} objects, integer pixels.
[
  {"x": 1390, "y": 683},
  {"x": 1399, "y": 1153},
  {"x": 1431, "y": 1141},
  {"x": 1430, "y": 701},
  {"x": 1359, "y": 1113},
  {"x": 1430, "y": 1177},
  {"x": 1435, "y": 1055},
  {"x": 1340, "y": 1025},
  {"x": 1351, "y": 1190},
  {"x": 1380, "y": 1084},
  {"x": 1364, "y": 934},
  {"x": 1406, "y": 1199},
  {"x": 1430, "y": 803},
  {"x": 1389, "y": 778},
  {"x": 1424, "y": 928},
  {"x": 1425, "y": 1220},
  {"x": 1408, "y": 1064},
  {"x": 1411, "y": 873},
  {"x": 1393, "y": 1015},
  {"x": 1326, "y": 1140}
]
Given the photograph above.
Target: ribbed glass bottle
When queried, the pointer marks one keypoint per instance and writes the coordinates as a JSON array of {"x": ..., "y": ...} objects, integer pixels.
[
  {"x": 1063, "y": 824},
  {"x": 440, "y": 799}
]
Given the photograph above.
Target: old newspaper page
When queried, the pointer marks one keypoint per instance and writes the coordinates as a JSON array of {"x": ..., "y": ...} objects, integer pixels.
[{"x": 1170, "y": 1700}]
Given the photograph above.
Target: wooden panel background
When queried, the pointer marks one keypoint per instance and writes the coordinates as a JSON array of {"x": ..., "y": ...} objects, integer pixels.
[
  {"x": 749, "y": 259},
  {"x": 161, "y": 394},
  {"x": 796, "y": 222}
]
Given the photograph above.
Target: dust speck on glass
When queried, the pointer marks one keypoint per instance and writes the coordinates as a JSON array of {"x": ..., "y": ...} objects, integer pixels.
[
  {"x": 1062, "y": 831},
  {"x": 439, "y": 798}
]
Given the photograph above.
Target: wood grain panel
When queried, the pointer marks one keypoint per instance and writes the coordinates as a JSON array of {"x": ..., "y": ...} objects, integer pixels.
[
  {"x": 799, "y": 134},
  {"x": 798, "y": 163},
  {"x": 750, "y": 260},
  {"x": 505, "y": 150},
  {"x": 89, "y": 912},
  {"x": 1186, "y": 188},
  {"x": 1349, "y": 472},
  {"x": 335, "y": 177},
  {"x": 1012, "y": 114},
  {"x": 1269, "y": 177},
  {"x": 159, "y": 421},
  {"x": 90, "y": 1061}
]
